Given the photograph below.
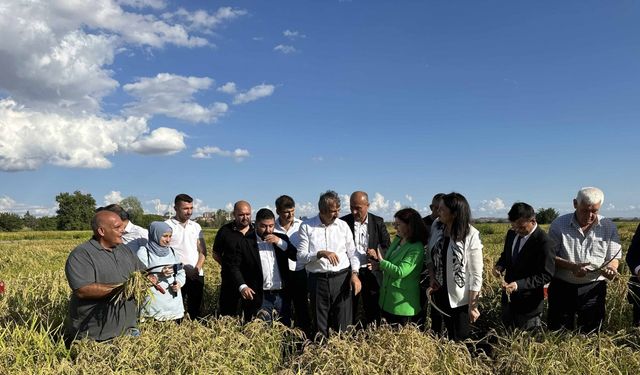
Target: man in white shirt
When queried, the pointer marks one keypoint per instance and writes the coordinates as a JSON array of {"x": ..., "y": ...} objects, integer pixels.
[
  {"x": 188, "y": 242},
  {"x": 587, "y": 249},
  {"x": 327, "y": 250},
  {"x": 260, "y": 271},
  {"x": 288, "y": 224}
]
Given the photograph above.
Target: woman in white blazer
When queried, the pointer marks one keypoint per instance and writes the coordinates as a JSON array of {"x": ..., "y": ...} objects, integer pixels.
[{"x": 454, "y": 261}]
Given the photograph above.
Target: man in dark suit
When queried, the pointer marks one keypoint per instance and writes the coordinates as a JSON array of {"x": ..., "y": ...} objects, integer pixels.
[
  {"x": 529, "y": 261},
  {"x": 369, "y": 232},
  {"x": 260, "y": 270},
  {"x": 633, "y": 260}
]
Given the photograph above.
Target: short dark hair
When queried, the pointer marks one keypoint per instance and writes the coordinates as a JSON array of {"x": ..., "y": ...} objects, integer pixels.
[
  {"x": 417, "y": 229},
  {"x": 521, "y": 210},
  {"x": 182, "y": 198},
  {"x": 264, "y": 214},
  {"x": 459, "y": 207},
  {"x": 117, "y": 209},
  {"x": 285, "y": 202},
  {"x": 326, "y": 198}
]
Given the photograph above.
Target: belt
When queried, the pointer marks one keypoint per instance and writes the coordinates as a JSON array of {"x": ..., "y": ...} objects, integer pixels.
[{"x": 330, "y": 275}]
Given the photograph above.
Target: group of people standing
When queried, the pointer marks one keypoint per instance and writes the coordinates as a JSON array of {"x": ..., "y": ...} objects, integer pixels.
[{"x": 330, "y": 272}]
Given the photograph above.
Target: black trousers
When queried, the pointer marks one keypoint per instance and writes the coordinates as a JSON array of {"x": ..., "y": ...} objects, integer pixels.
[
  {"x": 331, "y": 300},
  {"x": 587, "y": 301},
  {"x": 369, "y": 295},
  {"x": 229, "y": 299},
  {"x": 192, "y": 292},
  {"x": 512, "y": 319},
  {"x": 300, "y": 301},
  {"x": 457, "y": 324}
]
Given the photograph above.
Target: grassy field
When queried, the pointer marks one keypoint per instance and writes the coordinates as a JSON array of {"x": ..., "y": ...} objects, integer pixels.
[{"x": 33, "y": 308}]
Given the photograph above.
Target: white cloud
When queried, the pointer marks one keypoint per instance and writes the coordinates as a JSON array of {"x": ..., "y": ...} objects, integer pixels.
[
  {"x": 492, "y": 205},
  {"x": 154, "y": 4},
  {"x": 112, "y": 197},
  {"x": 158, "y": 207},
  {"x": 56, "y": 53},
  {"x": 161, "y": 141},
  {"x": 307, "y": 209},
  {"x": 257, "y": 38},
  {"x": 30, "y": 139},
  {"x": 378, "y": 203},
  {"x": 408, "y": 197},
  {"x": 396, "y": 206},
  {"x": 253, "y": 94},
  {"x": 203, "y": 21},
  {"x": 229, "y": 207},
  {"x": 228, "y": 88},
  {"x": 317, "y": 158},
  {"x": 285, "y": 48},
  {"x": 610, "y": 207},
  {"x": 207, "y": 152},
  {"x": 293, "y": 34},
  {"x": 199, "y": 207},
  {"x": 8, "y": 204},
  {"x": 172, "y": 95}
]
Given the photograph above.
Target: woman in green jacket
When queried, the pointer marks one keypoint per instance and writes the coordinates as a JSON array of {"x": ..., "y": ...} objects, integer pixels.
[{"x": 401, "y": 267}]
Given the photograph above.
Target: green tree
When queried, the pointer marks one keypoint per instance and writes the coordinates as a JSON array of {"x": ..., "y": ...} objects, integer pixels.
[
  {"x": 75, "y": 210},
  {"x": 29, "y": 220},
  {"x": 133, "y": 206},
  {"x": 546, "y": 215},
  {"x": 46, "y": 223},
  {"x": 146, "y": 219},
  {"x": 10, "y": 222}
]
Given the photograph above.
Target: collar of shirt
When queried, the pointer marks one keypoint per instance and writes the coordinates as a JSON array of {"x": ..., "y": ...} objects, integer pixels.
[
  {"x": 574, "y": 222},
  {"x": 129, "y": 227},
  {"x": 525, "y": 238},
  {"x": 294, "y": 226}
]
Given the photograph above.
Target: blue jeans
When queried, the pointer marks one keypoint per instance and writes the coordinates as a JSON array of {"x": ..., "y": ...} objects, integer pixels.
[{"x": 275, "y": 307}]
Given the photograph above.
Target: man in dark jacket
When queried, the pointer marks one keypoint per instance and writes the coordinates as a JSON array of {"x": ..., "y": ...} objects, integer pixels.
[
  {"x": 369, "y": 232},
  {"x": 528, "y": 261},
  {"x": 260, "y": 270}
]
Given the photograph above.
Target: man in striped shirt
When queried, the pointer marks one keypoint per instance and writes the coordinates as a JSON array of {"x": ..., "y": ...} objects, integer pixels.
[{"x": 587, "y": 248}]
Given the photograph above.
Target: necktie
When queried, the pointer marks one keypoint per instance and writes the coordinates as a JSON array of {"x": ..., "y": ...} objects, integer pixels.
[{"x": 516, "y": 249}]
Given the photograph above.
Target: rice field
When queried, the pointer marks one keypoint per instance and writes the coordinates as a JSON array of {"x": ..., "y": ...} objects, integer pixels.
[{"x": 33, "y": 309}]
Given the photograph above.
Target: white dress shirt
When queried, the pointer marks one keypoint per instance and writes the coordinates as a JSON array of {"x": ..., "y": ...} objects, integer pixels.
[
  {"x": 523, "y": 240},
  {"x": 271, "y": 278},
  {"x": 185, "y": 240},
  {"x": 361, "y": 236},
  {"x": 134, "y": 236},
  {"x": 336, "y": 237},
  {"x": 292, "y": 233}
]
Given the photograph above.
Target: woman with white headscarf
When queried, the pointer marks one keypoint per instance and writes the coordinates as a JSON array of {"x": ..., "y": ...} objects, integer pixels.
[{"x": 160, "y": 260}]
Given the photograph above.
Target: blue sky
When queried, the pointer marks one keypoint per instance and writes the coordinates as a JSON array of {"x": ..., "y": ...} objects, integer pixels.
[{"x": 501, "y": 101}]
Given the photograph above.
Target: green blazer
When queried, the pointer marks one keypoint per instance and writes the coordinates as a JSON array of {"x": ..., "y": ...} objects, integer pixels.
[{"x": 400, "y": 291}]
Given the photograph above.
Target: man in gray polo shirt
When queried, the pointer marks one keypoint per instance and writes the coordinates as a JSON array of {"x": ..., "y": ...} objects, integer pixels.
[{"x": 94, "y": 269}]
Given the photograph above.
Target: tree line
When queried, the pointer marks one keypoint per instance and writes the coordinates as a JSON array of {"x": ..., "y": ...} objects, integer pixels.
[{"x": 76, "y": 209}]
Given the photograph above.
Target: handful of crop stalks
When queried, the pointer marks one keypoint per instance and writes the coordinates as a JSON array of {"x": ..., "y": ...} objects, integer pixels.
[{"x": 137, "y": 286}]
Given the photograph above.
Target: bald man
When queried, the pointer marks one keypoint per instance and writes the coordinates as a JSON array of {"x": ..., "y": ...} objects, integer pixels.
[
  {"x": 369, "y": 232},
  {"x": 226, "y": 242},
  {"x": 94, "y": 270}
]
